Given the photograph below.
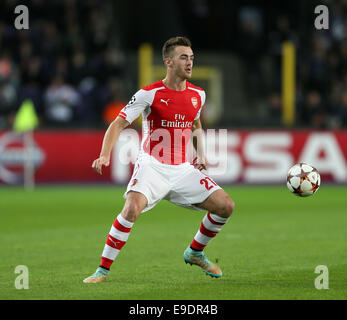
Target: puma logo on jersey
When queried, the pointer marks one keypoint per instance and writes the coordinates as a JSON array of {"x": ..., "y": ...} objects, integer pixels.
[{"x": 166, "y": 102}]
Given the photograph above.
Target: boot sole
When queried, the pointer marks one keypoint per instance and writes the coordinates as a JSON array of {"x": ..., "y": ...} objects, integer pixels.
[{"x": 206, "y": 272}]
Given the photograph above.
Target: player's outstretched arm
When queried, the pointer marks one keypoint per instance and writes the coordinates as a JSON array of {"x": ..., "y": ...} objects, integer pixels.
[
  {"x": 200, "y": 161},
  {"x": 110, "y": 138}
]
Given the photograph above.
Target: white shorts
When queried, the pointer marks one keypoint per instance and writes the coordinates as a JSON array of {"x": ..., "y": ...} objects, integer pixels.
[{"x": 181, "y": 184}]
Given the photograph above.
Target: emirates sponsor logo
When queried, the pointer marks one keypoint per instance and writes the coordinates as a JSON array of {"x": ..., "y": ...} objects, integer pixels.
[
  {"x": 176, "y": 124},
  {"x": 194, "y": 102}
]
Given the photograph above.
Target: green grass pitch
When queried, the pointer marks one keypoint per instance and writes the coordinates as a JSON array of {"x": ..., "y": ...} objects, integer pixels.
[{"x": 268, "y": 250}]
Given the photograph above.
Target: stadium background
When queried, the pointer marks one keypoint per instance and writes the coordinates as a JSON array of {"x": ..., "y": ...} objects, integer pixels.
[{"x": 81, "y": 61}]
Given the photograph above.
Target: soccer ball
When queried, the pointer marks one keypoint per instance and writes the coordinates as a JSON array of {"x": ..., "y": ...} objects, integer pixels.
[{"x": 303, "y": 180}]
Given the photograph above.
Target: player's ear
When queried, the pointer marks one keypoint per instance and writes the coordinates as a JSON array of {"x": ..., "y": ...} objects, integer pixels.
[{"x": 168, "y": 61}]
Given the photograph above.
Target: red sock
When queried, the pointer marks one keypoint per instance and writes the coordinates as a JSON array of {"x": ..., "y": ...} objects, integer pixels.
[
  {"x": 116, "y": 239},
  {"x": 210, "y": 226}
]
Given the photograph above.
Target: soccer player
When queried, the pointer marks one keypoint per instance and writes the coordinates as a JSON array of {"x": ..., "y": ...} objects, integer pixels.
[{"x": 170, "y": 111}]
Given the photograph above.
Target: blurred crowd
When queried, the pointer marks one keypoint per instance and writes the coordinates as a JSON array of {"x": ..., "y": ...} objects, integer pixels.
[
  {"x": 66, "y": 63},
  {"x": 321, "y": 71},
  {"x": 72, "y": 63},
  {"x": 255, "y": 31}
]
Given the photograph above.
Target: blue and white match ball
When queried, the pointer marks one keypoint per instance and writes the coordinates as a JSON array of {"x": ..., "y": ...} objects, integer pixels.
[{"x": 303, "y": 180}]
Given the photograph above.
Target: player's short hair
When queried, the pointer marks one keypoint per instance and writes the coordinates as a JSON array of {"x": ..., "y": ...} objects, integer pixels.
[{"x": 170, "y": 45}]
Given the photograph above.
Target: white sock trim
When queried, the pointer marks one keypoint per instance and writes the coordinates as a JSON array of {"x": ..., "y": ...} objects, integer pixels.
[
  {"x": 218, "y": 218},
  {"x": 124, "y": 222},
  {"x": 109, "y": 252},
  {"x": 122, "y": 236}
]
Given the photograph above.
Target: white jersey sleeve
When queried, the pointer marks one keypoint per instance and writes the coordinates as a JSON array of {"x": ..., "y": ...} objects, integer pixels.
[
  {"x": 203, "y": 98},
  {"x": 137, "y": 104}
]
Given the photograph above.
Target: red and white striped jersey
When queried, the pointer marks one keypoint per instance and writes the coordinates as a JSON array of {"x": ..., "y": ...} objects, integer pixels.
[{"x": 167, "y": 119}]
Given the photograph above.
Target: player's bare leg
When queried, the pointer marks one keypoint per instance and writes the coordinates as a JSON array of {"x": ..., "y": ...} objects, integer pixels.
[
  {"x": 134, "y": 204},
  {"x": 220, "y": 203},
  {"x": 220, "y": 207}
]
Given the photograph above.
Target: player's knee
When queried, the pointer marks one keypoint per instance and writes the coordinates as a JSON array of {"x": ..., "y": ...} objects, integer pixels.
[
  {"x": 131, "y": 211},
  {"x": 228, "y": 208}
]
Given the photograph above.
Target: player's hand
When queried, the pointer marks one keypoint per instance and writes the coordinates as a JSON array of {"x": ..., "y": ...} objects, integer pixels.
[
  {"x": 98, "y": 163},
  {"x": 200, "y": 163}
]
